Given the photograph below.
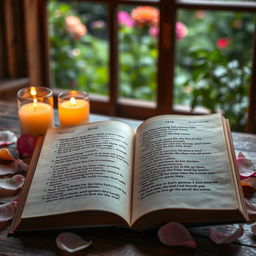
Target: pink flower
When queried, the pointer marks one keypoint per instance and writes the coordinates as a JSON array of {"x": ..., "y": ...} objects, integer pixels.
[
  {"x": 222, "y": 43},
  {"x": 200, "y": 14},
  {"x": 98, "y": 24},
  {"x": 75, "y": 27},
  {"x": 154, "y": 31},
  {"x": 181, "y": 30},
  {"x": 125, "y": 19}
]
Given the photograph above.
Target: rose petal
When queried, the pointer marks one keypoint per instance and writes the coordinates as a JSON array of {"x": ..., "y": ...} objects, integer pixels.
[
  {"x": 249, "y": 182},
  {"x": 11, "y": 168},
  {"x": 250, "y": 208},
  {"x": 12, "y": 183},
  {"x": 23, "y": 167},
  {"x": 175, "y": 234},
  {"x": 6, "y": 155},
  {"x": 7, "y": 138},
  {"x": 219, "y": 237},
  {"x": 26, "y": 144},
  {"x": 245, "y": 166},
  {"x": 253, "y": 229},
  {"x": 71, "y": 242},
  {"x": 7, "y": 211}
]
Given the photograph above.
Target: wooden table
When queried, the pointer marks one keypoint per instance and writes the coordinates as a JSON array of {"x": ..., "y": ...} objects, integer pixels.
[{"x": 114, "y": 241}]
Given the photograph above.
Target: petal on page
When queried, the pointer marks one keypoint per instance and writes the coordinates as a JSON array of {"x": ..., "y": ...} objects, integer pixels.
[
  {"x": 71, "y": 242},
  {"x": 11, "y": 168},
  {"x": 12, "y": 183},
  {"x": 249, "y": 182},
  {"x": 175, "y": 234},
  {"x": 7, "y": 211},
  {"x": 7, "y": 138},
  {"x": 245, "y": 166},
  {"x": 219, "y": 237},
  {"x": 6, "y": 155},
  {"x": 251, "y": 208},
  {"x": 26, "y": 144}
]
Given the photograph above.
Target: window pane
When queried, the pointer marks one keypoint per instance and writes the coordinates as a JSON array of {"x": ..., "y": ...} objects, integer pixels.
[
  {"x": 138, "y": 29},
  {"x": 79, "y": 46},
  {"x": 213, "y": 61}
]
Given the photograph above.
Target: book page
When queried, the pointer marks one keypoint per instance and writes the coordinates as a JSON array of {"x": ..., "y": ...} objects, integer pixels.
[
  {"x": 182, "y": 162},
  {"x": 86, "y": 167}
]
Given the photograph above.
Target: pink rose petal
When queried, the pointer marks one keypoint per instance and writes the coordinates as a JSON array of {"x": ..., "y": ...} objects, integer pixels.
[
  {"x": 251, "y": 208},
  {"x": 253, "y": 229},
  {"x": 7, "y": 211},
  {"x": 12, "y": 183},
  {"x": 23, "y": 167},
  {"x": 71, "y": 242},
  {"x": 26, "y": 144},
  {"x": 7, "y": 138},
  {"x": 219, "y": 237},
  {"x": 245, "y": 166},
  {"x": 11, "y": 168},
  {"x": 175, "y": 234},
  {"x": 249, "y": 182}
]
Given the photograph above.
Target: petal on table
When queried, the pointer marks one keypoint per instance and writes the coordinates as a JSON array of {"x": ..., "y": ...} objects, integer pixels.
[
  {"x": 6, "y": 155},
  {"x": 26, "y": 144},
  {"x": 23, "y": 167},
  {"x": 12, "y": 183},
  {"x": 245, "y": 166},
  {"x": 175, "y": 234},
  {"x": 7, "y": 211},
  {"x": 11, "y": 168},
  {"x": 7, "y": 138},
  {"x": 251, "y": 208},
  {"x": 253, "y": 229},
  {"x": 220, "y": 237},
  {"x": 249, "y": 182},
  {"x": 71, "y": 242}
]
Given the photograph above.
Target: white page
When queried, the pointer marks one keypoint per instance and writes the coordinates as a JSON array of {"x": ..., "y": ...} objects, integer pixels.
[
  {"x": 182, "y": 162},
  {"x": 83, "y": 168}
]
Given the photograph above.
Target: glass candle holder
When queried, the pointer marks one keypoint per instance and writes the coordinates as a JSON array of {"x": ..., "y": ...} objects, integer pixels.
[
  {"x": 73, "y": 108},
  {"x": 35, "y": 109}
]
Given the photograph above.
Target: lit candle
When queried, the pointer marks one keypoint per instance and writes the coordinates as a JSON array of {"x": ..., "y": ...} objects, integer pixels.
[
  {"x": 37, "y": 115},
  {"x": 74, "y": 108}
]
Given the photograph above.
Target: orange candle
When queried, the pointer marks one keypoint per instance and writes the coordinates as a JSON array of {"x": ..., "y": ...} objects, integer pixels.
[
  {"x": 35, "y": 110},
  {"x": 35, "y": 118},
  {"x": 73, "y": 111}
]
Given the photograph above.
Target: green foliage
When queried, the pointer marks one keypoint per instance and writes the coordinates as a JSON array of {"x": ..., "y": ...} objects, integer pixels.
[
  {"x": 80, "y": 63},
  {"x": 138, "y": 55},
  {"x": 206, "y": 74},
  {"x": 219, "y": 85}
]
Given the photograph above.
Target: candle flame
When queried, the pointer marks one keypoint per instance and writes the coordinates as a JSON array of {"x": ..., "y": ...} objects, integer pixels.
[
  {"x": 33, "y": 91},
  {"x": 73, "y": 101},
  {"x": 34, "y": 104}
]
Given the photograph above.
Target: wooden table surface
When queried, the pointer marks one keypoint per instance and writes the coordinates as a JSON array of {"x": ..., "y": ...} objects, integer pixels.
[{"x": 114, "y": 241}]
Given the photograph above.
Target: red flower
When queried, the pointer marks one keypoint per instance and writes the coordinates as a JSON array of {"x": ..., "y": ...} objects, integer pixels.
[{"x": 223, "y": 43}]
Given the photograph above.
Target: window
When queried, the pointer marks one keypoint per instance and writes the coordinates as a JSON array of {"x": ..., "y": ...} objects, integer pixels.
[{"x": 167, "y": 75}]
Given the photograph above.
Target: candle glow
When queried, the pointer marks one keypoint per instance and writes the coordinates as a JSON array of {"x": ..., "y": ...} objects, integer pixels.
[
  {"x": 73, "y": 111},
  {"x": 35, "y": 117}
]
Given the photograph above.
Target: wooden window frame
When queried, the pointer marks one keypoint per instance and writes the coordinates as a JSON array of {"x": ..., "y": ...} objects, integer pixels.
[{"x": 27, "y": 60}]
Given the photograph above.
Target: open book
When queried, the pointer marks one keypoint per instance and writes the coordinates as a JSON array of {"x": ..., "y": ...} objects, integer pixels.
[{"x": 174, "y": 168}]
